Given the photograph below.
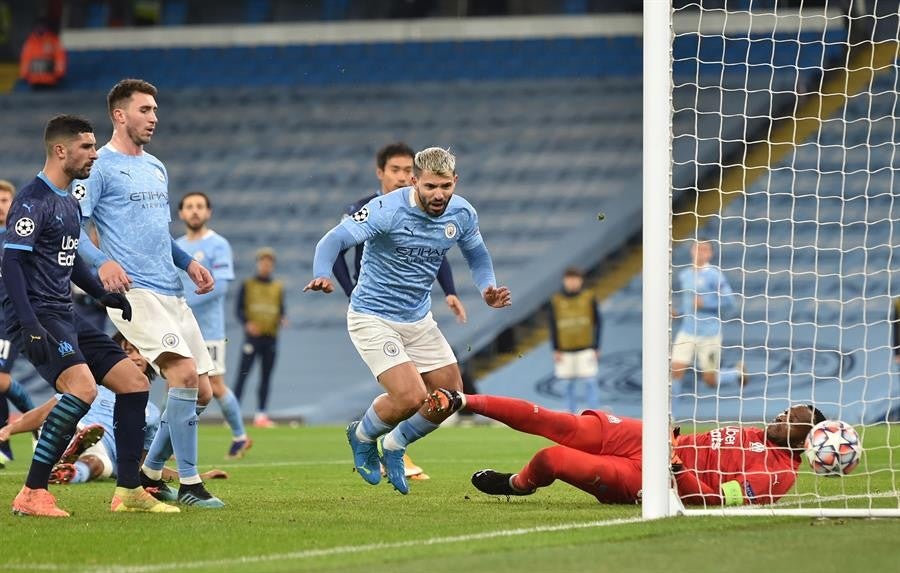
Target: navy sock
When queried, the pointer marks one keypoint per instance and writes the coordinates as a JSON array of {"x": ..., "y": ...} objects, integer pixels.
[
  {"x": 58, "y": 430},
  {"x": 130, "y": 423}
]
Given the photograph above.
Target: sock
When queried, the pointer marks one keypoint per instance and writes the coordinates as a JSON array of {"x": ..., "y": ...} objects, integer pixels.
[
  {"x": 19, "y": 397},
  {"x": 182, "y": 422},
  {"x": 408, "y": 431},
  {"x": 160, "y": 449},
  {"x": 130, "y": 422},
  {"x": 371, "y": 426},
  {"x": 82, "y": 472},
  {"x": 232, "y": 411},
  {"x": 58, "y": 430},
  {"x": 729, "y": 375}
]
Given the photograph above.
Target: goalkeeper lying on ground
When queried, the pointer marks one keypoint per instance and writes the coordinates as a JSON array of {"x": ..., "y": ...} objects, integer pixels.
[{"x": 600, "y": 453}]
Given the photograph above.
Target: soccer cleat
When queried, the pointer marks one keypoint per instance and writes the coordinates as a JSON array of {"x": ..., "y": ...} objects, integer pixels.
[
  {"x": 495, "y": 483},
  {"x": 158, "y": 488},
  {"x": 84, "y": 438},
  {"x": 195, "y": 494},
  {"x": 239, "y": 448},
  {"x": 138, "y": 499},
  {"x": 6, "y": 454},
  {"x": 443, "y": 400},
  {"x": 62, "y": 473},
  {"x": 37, "y": 503},
  {"x": 412, "y": 470},
  {"x": 396, "y": 471},
  {"x": 263, "y": 421},
  {"x": 365, "y": 456}
]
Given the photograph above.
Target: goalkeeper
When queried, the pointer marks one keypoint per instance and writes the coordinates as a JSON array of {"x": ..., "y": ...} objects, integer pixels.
[{"x": 600, "y": 453}]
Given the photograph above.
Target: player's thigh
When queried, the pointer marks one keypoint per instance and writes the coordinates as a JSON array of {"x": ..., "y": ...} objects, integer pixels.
[
  {"x": 684, "y": 348},
  {"x": 65, "y": 360},
  {"x": 709, "y": 353},
  {"x": 404, "y": 385},
  {"x": 377, "y": 341},
  {"x": 426, "y": 346},
  {"x": 154, "y": 327},
  {"x": 216, "y": 349},
  {"x": 616, "y": 435},
  {"x": 564, "y": 368},
  {"x": 447, "y": 377},
  {"x": 107, "y": 361},
  {"x": 78, "y": 381},
  {"x": 585, "y": 363}
]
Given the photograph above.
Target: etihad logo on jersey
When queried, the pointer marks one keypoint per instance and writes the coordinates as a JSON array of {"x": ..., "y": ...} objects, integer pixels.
[
  {"x": 150, "y": 199},
  {"x": 420, "y": 254},
  {"x": 66, "y": 256}
]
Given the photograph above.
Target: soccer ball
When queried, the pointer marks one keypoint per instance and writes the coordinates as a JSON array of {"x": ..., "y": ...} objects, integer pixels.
[{"x": 833, "y": 448}]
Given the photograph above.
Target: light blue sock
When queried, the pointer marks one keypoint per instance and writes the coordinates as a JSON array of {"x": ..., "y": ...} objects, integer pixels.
[
  {"x": 371, "y": 426},
  {"x": 571, "y": 399},
  {"x": 19, "y": 397},
  {"x": 408, "y": 431},
  {"x": 182, "y": 421},
  {"x": 593, "y": 393},
  {"x": 161, "y": 447},
  {"x": 82, "y": 472},
  {"x": 729, "y": 375},
  {"x": 232, "y": 411}
]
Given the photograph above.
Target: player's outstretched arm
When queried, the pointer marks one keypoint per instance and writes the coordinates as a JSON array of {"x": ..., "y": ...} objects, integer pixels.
[
  {"x": 327, "y": 250},
  {"x": 29, "y": 421}
]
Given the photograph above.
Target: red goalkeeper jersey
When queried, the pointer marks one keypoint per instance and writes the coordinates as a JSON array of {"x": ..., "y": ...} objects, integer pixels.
[{"x": 733, "y": 466}]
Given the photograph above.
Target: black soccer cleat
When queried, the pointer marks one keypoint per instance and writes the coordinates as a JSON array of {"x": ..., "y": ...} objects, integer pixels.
[
  {"x": 495, "y": 483},
  {"x": 195, "y": 494},
  {"x": 443, "y": 400},
  {"x": 158, "y": 488}
]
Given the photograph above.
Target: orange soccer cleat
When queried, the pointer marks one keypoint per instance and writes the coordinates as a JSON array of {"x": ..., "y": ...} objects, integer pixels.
[{"x": 36, "y": 502}]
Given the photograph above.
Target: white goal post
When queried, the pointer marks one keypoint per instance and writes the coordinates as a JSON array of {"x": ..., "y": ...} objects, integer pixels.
[{"x": 774, "y": 128}]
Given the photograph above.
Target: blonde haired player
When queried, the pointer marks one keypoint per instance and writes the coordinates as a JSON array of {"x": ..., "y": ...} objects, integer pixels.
[{"x": 407, "y": 233}]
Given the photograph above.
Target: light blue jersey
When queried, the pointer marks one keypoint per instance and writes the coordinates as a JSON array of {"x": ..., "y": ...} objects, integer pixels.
[
  {"x": 102, "y": 412},
  {"x": 213, "y": 252},
  {"x": 716, "y": 296},
  {"x": 127, "y": 196},
  {"x": 405, "y": 247}
]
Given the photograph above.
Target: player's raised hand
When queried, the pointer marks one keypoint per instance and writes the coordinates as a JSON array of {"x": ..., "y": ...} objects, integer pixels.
[
  {"x": 320, "y": 283},
  {"x": 457, "y": 308},
  {"x": 117, "y": 300},
  {"x": 497, "y": 297},
  {"x": 114, "y": 277},
  {"x": 201, "y": 277}
]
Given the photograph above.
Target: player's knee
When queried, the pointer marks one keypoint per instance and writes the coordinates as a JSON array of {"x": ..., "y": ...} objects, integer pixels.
[
  {"x": 85, "y": 392},
  {"x": 411, "y": 400},
  {"x": 547, "y": 459},
  {"x": 204, "y": 395}
]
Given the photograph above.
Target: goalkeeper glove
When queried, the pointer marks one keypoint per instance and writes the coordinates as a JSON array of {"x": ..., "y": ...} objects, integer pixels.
[{"x": 675, "y": 461}]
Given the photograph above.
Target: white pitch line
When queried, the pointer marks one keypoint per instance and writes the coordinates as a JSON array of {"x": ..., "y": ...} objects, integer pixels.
[{"x": 232, "y": 562}]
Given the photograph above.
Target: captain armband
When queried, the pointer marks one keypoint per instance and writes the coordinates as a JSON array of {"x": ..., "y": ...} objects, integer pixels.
[{"x": 732, "y": 493}]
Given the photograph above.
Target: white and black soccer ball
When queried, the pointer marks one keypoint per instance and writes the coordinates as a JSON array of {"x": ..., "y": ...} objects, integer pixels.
[
  {"x": 833, "y": 448},
  {"x": 361, "y": 215},
  {"x": 79, "y": 190}
]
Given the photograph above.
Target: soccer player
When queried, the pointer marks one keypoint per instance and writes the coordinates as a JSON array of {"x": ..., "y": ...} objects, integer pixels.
[
  {"x": 214, "y": 252},
  {"x": 9, "y": 388},
  {"x": 706, "y": 294},
  {"x": 90, "y": 453},
  {"x": 600, "y": 453},
  {"x": 393, "y": 168},
  {"x": 127, "y": 198},
  {"x": 40, "y": 260},
  {"x": 260, "y": 308},
  {"x": 407, "y": 233},
  {"x": 575, "y": 326}
]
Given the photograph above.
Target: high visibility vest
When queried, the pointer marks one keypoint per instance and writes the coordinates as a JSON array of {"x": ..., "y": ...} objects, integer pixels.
[
  {"x": 262, "y": 304},
  {"x": 575, "y": 321}
]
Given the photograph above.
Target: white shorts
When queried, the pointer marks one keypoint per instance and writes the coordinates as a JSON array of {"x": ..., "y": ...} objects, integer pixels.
[
  {"x": 384, "y": 344},
  {"x": 162, "y": 323},
  {"x": 98, "y": 450},
  {"x": 216, "y": 350},
  {"x": 706, "y": 349},
  {"x": 576, "y": 364}
]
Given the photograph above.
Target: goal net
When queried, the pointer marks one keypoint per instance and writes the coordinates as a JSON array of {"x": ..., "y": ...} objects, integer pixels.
[{"x": 783, "y": 154}]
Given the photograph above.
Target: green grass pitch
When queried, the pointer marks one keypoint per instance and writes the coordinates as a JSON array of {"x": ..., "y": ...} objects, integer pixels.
[{"x": 294, "y": 504}]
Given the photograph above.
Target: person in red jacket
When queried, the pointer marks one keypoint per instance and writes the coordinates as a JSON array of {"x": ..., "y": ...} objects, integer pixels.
[
  {"x": 43, "y": 59},
  {"x": 600, "y": 453}
]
